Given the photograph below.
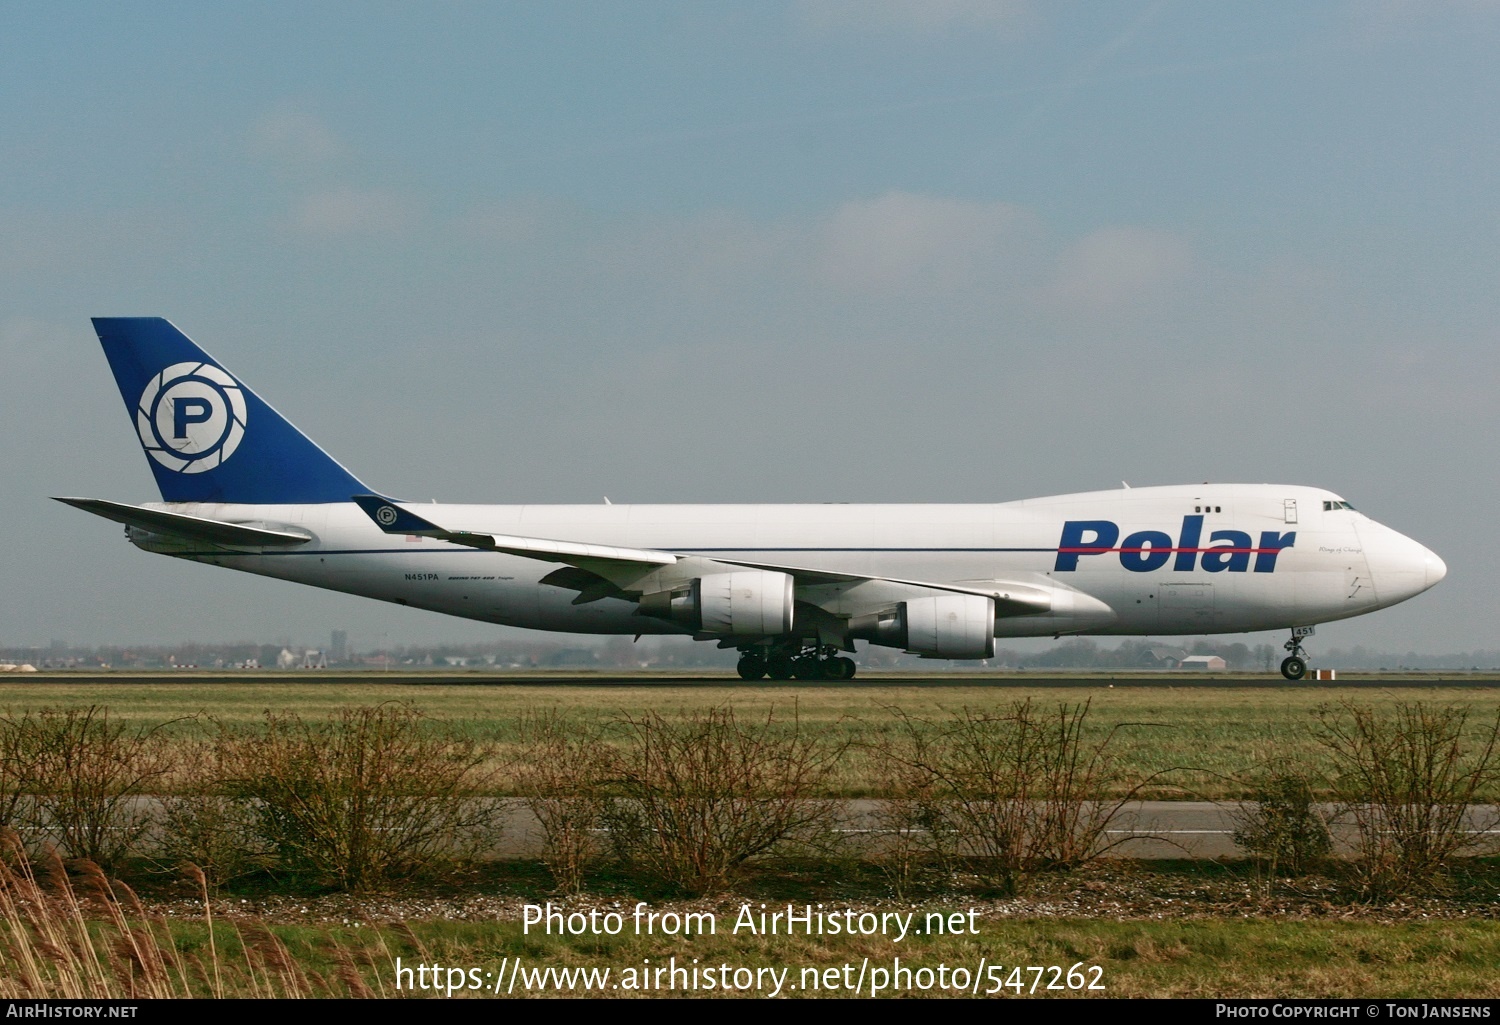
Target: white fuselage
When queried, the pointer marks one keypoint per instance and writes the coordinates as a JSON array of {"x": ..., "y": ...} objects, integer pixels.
[{"x": 1155, "y": 560}]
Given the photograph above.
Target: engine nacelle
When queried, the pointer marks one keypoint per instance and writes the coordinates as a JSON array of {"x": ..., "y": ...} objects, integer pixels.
[
  {"x": 946, "y": 626},
  {"x": 743, "y": 603}
]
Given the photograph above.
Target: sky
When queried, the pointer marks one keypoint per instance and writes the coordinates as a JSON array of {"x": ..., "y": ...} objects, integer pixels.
[{"x": 810, "y": 250}]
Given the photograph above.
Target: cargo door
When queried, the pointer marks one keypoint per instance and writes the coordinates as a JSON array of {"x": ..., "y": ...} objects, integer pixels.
[{"x": 1185, "y": 608}]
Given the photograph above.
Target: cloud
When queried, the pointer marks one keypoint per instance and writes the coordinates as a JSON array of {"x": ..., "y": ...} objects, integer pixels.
[
  {"x": 1119, "y": 266},
  {"x": 927, "y": 17},
  {"x": 973, "y": 257},
  {"x": 347, "y": 210},
  {"x": 904, "y": 241},
  {"x": 293, "y": 137}
]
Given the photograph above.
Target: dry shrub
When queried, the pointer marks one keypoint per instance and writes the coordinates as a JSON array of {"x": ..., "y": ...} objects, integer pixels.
[
  {"x": 16, "y": 772},
  {"x": 702, "y": 793},
  {"x": 1282, "y": 825},
  {"x": 1409, "y": 780},
  {"x": 563, "y": 772},
  {"x": 76, "y": 778},
  {"x": 206, "y": 826},
  {"x": 367, "y": 795},
  {"x": 1006, "y": 794}
]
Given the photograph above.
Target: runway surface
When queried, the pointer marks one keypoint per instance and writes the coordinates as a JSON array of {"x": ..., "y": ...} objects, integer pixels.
[{"x": 727, "y": 678}]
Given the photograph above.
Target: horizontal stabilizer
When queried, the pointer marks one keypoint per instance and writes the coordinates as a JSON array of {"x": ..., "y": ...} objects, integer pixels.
[
  {"x": 192, "y": 528},
  {"x": 393, "y": 519}
]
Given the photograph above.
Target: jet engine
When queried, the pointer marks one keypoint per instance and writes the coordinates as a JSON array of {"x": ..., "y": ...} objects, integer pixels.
[
  {"x": 744, "y": 603},
  {"x": 946, "y": 626}
]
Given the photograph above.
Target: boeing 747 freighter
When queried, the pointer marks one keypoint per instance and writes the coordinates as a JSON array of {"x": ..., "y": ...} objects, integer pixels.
[{"x": 792, "y": 587}]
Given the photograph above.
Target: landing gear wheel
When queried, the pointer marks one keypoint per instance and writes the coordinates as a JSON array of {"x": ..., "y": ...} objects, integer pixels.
[
  {"x": 751, "y": 668},
  {"x": 780, "y": 667},
  {"x": 1294, "y": 666},
  {"x": 808, "y": 668},
  {"x": 844, "y": 668}
]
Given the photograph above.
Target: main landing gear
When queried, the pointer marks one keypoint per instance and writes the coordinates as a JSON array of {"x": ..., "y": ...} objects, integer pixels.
[
  {"x": 795, "y": 663},
  {"x": 1294, "y": 666}
]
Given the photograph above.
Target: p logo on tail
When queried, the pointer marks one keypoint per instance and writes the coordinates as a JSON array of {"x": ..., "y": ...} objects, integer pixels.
[
  {"x": 191, "y": 417},
  {"x": 208, "y": 436}
]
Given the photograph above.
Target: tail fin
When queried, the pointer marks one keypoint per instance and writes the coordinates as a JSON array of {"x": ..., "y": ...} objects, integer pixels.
[{"x": 207, "y": 436}]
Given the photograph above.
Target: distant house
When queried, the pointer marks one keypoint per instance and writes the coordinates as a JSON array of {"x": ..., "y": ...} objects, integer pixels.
[
  {"x": 1163, "y": 658},
  {"x": 1203, "y": 662}
]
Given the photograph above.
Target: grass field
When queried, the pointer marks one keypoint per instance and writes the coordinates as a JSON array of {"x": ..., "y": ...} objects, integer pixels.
[
  {"x": 1198, "y": 929},
  {"x": 1204, "y": 737},
  {"x": 1214, "y": 958},
  {"x": 994, "y": 956}
]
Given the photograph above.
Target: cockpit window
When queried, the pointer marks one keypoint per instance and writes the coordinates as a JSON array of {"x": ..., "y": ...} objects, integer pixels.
[{"x": 1330, "y": 506}]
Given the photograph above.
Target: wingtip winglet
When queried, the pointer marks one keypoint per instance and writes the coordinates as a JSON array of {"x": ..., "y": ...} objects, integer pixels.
[{"x": 391, "y": 518}]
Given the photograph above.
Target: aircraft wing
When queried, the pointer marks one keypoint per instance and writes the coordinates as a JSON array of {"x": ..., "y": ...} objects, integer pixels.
[
  {"x": 191, "y": 528},
  {"x": 609, "y": 569},
  {"x": 1011, "y": 597},
  {"x": 393, "y": 519}
]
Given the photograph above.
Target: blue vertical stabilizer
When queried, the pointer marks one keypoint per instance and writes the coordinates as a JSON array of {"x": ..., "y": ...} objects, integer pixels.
[{"x": 207, "y": 436}]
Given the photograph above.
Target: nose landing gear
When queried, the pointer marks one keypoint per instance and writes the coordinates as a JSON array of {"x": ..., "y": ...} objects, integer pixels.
[{"x": 1294, "y": 666}]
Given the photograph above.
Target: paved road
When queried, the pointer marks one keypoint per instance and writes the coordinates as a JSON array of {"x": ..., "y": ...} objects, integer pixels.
[{"x": 1143, "y": 829}]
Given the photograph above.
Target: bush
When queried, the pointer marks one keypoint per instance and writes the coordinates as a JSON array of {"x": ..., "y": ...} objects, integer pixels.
[
  {"x": 367, "y": 795},
  {"x": 1283, "y": 825},
  {"x": 1006, "y": 794},
  {"x": 76, "y": 778},
  {"x": 1409, "y": 781},
  {"x": 701, "y": 794},
  {"x": 203, "y": 824},
  {"x": 562, "y": 771}
]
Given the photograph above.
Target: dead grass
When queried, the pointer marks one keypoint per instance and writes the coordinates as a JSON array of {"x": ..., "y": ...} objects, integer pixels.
[{"x": 85, "y": 936}]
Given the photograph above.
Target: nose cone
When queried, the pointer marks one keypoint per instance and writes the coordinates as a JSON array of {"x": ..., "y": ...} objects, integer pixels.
[
  {"x": 1437, "y": 569},
  {"x": 1401, "y": 568}
]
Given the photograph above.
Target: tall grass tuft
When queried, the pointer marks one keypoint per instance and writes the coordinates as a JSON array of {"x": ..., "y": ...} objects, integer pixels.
[{"x": 94, "y": 940}]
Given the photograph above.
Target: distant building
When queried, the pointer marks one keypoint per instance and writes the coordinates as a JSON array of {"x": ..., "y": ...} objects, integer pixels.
[
  {"x": 1202, "y": 662},
  {"x": 338, "y": 646},
  {"x": 1163, "y": 658}
]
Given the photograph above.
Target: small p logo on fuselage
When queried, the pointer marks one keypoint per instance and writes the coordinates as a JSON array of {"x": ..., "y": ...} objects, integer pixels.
[{"x": 191, "y": 417}]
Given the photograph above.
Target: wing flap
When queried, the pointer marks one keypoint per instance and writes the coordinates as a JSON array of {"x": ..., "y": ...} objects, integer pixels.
[{"x": 192, "y": 528}]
